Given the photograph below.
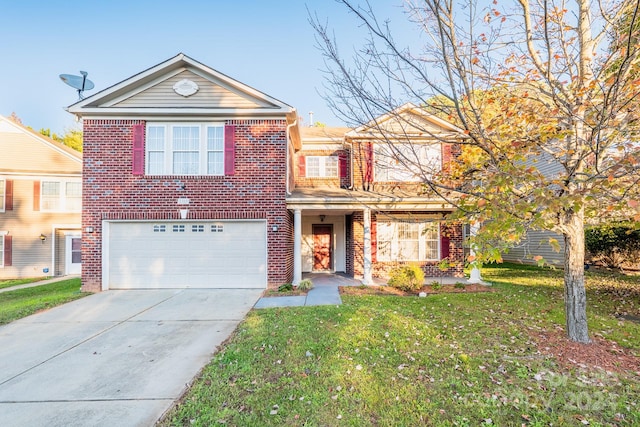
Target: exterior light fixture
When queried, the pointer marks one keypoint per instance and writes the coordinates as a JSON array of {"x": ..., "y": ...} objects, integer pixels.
[
  {"x": 43, "y": 238},
  {"x": 274, "y": 228},
  {"x": 322, "y": 218}
]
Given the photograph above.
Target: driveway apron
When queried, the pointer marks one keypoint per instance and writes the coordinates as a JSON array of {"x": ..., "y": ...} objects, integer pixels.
[{"x": 117, "y": 358}]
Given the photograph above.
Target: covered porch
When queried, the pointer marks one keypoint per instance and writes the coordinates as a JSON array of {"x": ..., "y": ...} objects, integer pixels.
[{"x": 333, "y": 231}]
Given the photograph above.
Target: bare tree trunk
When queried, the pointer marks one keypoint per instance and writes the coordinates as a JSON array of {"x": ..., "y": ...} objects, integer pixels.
[{"x": 575, "y": 295}]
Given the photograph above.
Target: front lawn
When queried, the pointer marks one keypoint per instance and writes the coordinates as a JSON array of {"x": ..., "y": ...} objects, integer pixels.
[
  {"x": 447, "y": 359},
  {"x": 24, "y": 302}
]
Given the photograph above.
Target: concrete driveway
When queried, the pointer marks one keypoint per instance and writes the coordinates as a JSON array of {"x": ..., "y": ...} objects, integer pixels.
[{"x": 117, "y": 358}]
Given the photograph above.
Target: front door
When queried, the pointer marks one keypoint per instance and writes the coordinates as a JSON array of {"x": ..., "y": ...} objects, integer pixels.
[
  {"x": 322, "y": 247},
  {"x": 73, "y": 255}
]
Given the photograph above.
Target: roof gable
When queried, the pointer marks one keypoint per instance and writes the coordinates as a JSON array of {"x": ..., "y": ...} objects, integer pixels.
[
  {"x": 28, "y": 152},
  {"x": 408, "y": 120},
  {"x": 157, "y": 91}
]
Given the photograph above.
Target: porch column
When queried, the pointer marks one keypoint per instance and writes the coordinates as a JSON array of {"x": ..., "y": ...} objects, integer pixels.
[
  {"x": 367, "y": 279},
  {"x": 297, "y": 246},
  {"x": 474, "y": 275}
]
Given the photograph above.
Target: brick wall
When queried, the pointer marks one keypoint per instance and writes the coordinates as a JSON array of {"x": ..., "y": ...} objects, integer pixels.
[
  {"x": 381, "y": 269},
  {"x": 256, "y": 190},
  {"x": 302, "y": 181}
]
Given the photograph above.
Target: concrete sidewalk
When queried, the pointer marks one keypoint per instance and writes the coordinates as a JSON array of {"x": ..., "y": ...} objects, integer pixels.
[
  {"x": 38, "y": 283},
  {"x": 325, "y": 292},
  {"x": 117, "y": 358}
]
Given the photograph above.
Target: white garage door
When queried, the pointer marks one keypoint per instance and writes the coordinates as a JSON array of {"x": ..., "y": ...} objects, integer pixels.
[{"x": 209, "y": 254}]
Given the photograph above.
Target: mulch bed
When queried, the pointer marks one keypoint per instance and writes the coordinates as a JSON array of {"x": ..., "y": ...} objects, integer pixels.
[
  {"x": 600, "y": 353},
  {"x": 388, "y": 290}
]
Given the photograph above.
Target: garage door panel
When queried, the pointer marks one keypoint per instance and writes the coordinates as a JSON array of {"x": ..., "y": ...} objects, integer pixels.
[{"x": 218, "y": 254}]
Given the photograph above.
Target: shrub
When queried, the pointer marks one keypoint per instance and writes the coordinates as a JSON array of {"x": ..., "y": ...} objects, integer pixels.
[
  {"x": 460, "y": 285},
  {"x": 287, "y": 287},
  {"x": 305, "y": 285},
  {"x": 406, "y": 278},
  {"x": 435, "y": 285},
  {"x": 614, "y": 245}
]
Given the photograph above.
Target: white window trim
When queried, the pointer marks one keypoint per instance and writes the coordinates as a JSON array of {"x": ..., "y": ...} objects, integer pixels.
[
  {"x": 203, "y": 150},
  {"x": 62, "y": 196},
  {"x": 3, "y": 196},
  {"x": 422, "y": 243},
  {"x": 322, "y": 166},
  {"x": 402, "y": 173}
]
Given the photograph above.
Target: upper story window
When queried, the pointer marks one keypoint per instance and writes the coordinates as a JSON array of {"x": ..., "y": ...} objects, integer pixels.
[
  {"x": 406, "y": 162},
  {"x": 322, "y": 166},
  {"x": 61, "y": 196},
  {"x": 2, "y": 194},
  {"x": 185, "y": 149},
  {"x": 408, "y": 241}
]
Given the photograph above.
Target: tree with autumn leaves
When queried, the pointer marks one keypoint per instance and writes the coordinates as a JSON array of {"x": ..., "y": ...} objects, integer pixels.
[{"x": 546, "y": 95}]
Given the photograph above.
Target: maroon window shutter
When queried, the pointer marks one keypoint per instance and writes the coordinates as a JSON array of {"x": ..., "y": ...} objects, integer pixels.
[
  {"x": 7, "y": 251},
  {"x": 342, "y": 165},
  {"x": 444, "y": 244},
  {"x": 36, "y": 195},
  {"x": 229, "y": 149},
  {"x": 302, "y": 166},
  {"x": 8, "y": 195},
  {"x": 368, "y": 174},
  {"x": 137, "y": 167}
]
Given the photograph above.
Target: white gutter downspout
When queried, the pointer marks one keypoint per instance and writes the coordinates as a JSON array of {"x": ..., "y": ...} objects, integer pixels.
[{"x": 295, "y": 122}]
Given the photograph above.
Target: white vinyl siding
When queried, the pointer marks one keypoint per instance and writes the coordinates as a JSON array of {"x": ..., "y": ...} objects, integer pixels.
[
  {"x": 322, "y": 166},
  {"x": 2, "y": 194},
  {"x": 184, "y": 149},
  {"x": 406, "y": 162},
  {"x": 61, "y": 196},
  {"x": 408, "y": 241}
]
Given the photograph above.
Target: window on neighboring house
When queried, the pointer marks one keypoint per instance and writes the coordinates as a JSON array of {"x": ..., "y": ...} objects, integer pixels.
[
  {"x": 406, "y": 162},
  {"x": 1, "y": 250},
  {"x": 185, "y": 149},
  {"x": 408, "y": 241},
  {"x": 61, "y": 196},
  {"x": 322, "y": 166},
  {"x": 2, "y": 194}
]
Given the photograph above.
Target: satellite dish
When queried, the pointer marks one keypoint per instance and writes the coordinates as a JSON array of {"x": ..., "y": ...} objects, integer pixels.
[{"x": 80, "y": 83}]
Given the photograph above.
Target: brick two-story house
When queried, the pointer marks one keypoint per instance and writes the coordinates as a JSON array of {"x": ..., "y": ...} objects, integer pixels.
[{"x": 193, "y": 179}]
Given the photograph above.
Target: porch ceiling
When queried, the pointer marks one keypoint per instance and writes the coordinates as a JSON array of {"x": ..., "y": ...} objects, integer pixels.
[{"x": 345, "y": 201}]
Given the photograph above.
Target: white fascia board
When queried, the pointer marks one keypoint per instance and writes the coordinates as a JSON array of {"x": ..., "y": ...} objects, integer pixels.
[
  {"x": 79, "y": 107},
  {"x": 175, "y": 117},
  {"x": 136, "y": 112}
]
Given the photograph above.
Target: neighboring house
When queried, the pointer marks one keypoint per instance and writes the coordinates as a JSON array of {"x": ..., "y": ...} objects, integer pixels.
[
  {"x": 536, "y": 242},
  {"x": 193, "y": 179},
  {"x": 40, "y": 204}
]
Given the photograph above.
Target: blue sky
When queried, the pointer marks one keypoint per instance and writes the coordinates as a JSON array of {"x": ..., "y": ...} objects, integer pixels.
[{"x": 267, "y": 44}]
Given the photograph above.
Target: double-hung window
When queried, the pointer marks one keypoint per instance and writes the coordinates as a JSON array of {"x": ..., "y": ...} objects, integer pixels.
[
  {"x": 1, "y": 249},
  {"x": 408, "y": 241},
  {"x": 406, "y": 162},
  {"x": 322, "y": 166},
  {"x": 61, "y": 196},
  {"x": 185, "y": 149}
]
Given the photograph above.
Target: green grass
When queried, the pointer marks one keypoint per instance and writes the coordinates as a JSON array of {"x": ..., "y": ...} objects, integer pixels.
[
  {"x": 16, "y": 282},
  {"x": 448, "y": 359},
  {"x": 24, "y": 302}
]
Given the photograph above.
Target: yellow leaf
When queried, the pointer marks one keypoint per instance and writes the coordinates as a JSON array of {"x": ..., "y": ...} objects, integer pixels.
[{"x": 471, "y": 258}]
